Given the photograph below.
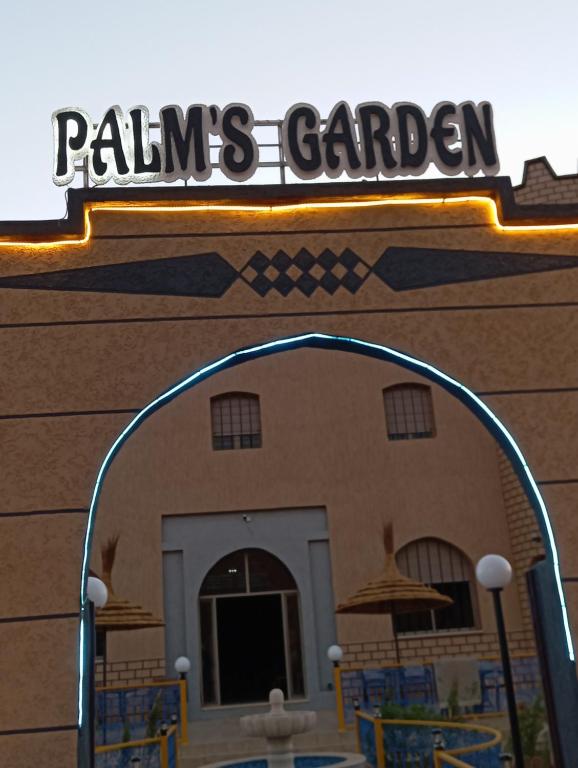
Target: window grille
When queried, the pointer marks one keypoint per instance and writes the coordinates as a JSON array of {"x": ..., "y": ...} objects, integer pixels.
[
  {"x": 236, "y": 421},
  {"x": 445, "y": 568},
  {"x": 408, "y": 412}
]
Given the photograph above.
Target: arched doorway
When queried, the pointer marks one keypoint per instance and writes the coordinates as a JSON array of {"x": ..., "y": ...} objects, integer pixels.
[
  {"x": 250, "y": 630},
  {"x": 559, "y": 644}
]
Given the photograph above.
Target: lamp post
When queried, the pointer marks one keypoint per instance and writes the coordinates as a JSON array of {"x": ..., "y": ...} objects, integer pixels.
[
  {"x": 495, "y": 573},
  {"x": 182, "y": 667},
  {"x": 335, "y": 654},
  {"x": 97, "y": 594}
]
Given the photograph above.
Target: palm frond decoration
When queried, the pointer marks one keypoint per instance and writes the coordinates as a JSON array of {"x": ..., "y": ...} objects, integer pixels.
[
  {"x": 108, "y": 556},
  {"x": 388, "y": 538}
]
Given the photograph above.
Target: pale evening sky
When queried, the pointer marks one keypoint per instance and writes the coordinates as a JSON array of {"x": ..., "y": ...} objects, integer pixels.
[{"x": 522, "y": 55}]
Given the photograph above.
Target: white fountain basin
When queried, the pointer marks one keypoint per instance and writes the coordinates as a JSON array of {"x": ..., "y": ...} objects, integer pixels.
[
  {"x": 312, "y": 760},
  {"x": 278, "y": 727}
]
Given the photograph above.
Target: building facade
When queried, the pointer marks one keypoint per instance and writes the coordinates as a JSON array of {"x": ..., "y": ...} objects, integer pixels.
[{"x": 254, "y": 502}]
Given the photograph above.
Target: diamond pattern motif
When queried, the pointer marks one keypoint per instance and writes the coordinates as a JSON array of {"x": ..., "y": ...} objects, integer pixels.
[
  {"x": 210, "y": 275},
  {"x": 305, "y": 272}
]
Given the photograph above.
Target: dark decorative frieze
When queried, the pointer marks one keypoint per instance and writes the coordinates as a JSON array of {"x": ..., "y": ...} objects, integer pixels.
[
  {"x": 305, "y": 272},
  {"x": 209, "y": 275},
  {"x": 204, "y": 275},
  {"x": 404, "y": 269}
]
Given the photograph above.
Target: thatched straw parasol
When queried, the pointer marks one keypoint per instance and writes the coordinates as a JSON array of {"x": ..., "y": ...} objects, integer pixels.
[
  {"x": 393, "y": 593},
  {"x": 118, "y": 615}
]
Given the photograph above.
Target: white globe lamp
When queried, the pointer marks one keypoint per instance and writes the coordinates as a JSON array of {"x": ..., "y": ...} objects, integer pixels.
[
  {"x": 182, "y": 666},
  {"x": 334, "y": 654},
  {"x": 494, "y": 572},
  {"x": 97, "y": 592}
]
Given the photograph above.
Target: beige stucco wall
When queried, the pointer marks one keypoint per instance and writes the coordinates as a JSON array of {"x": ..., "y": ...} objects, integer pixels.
[
  {"x": 76, "y": 366},
  {"x": 324, "y": 444}
]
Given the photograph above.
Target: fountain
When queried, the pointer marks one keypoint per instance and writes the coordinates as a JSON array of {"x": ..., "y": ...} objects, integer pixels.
[{"x": 278, "y": 728}]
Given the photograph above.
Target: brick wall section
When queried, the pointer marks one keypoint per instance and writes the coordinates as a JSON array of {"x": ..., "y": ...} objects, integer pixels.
[
  {"x": 131, "y": 672},
  {"x": 427, "y": 648},
  {"x": 525, "y": 538},
  {"x": 542, "y": 185}
]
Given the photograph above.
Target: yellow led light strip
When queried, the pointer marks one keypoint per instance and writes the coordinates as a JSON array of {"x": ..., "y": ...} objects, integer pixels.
[{"x": 119, "y": 207}]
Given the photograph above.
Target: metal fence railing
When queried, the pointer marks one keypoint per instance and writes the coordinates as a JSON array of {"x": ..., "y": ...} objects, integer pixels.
[
  {"x": 366, "y": 689},
  {"x": 158, "y": 752},
  {"x": 129, "y": 713},
  {"x": 426, "y": 744}
]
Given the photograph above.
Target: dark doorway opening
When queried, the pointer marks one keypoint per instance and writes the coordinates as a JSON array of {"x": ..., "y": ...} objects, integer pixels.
[
  {"x": 250, "y": 630},
  {"x": 251, "y": 648}
]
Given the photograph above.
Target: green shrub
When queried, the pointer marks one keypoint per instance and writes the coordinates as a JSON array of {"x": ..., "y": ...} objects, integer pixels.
[
  {"x": 154, "y": 717},
  {"x": 414, "y": 712},
  {"x": 532, "y": 722}
]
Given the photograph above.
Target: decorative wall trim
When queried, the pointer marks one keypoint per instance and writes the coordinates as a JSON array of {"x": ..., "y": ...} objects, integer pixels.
[
  {"x": 567, "y": 481},
  {"x": 289, "y": 232},
  {"x": 405, "y": 269},
  {"x": 34, "y": 512},
  {"x": 541, "y": 391},
  {"x": 44, "y": 617},
  {"x": 45, "y": 729},
  {"x": 268, "y": 315},
  {"x": 66, "y": 414},
  {"x": 209, "y": 275}
]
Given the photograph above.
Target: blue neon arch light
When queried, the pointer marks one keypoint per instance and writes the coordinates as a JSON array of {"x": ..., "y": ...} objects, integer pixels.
[{"x": 345, "y": 344}]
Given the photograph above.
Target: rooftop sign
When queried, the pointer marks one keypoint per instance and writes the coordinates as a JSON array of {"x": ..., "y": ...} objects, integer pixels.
[{"x": 373, "y": 139}]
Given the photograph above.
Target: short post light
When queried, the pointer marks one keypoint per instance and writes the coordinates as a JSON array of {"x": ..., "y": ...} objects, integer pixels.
[
  {"x": 438, "y": 738},
  {"x": 335, "y": 654},
  {"x": 182, "y": 668},
  {"x": 494, "y": 573},
  {"x": 97, "y": 594}
]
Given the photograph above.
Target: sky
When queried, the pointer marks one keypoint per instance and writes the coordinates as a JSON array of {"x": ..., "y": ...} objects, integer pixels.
[{"x": 521, "y": 55}]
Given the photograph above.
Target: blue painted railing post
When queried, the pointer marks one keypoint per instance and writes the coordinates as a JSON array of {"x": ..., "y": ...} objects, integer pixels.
[{"x": 558, "y": 671}]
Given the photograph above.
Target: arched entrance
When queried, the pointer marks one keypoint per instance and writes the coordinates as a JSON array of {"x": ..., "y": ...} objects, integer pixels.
[
  {"x": 250, "y": 630},
  {"x": 561, "y": 650}
]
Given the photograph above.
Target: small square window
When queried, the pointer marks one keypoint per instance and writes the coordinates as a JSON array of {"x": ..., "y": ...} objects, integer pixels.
[
  {"x": 408, "y": 412},
  {"x": 236, "y": 421}
]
